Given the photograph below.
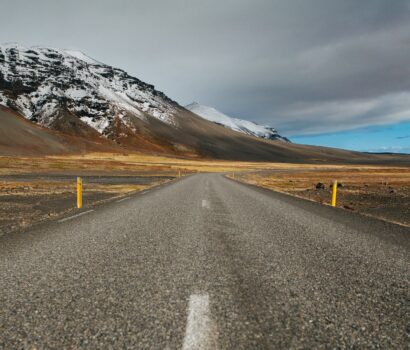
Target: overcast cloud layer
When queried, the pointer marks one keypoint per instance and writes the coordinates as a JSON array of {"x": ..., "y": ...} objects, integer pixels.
[{"x": 302, "y": 66}]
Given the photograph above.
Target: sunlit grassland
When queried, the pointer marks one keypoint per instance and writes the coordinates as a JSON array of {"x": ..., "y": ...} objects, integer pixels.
[{"x": 136, "y": 163}]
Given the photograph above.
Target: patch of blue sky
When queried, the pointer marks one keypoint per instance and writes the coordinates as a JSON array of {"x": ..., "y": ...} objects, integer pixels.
[{"x": 393, "y": 138}]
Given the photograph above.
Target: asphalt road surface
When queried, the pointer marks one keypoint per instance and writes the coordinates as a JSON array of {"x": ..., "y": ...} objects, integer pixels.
[{"x": 206, "y": 263}]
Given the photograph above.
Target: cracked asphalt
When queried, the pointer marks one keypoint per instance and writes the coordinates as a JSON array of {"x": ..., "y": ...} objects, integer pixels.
[{"x": 279, "y": 272}]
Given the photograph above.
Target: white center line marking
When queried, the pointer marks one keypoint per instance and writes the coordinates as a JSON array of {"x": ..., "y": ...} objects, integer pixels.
[
  {"x": 205, "y": 204},
  {"x": 123, "y": 199},
  {"x": 76, "y": 216},
  {"x": 201, "y": 332}
]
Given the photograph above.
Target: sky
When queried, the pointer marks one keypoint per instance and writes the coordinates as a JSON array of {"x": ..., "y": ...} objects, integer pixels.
[{"x": 328, "y": 72}]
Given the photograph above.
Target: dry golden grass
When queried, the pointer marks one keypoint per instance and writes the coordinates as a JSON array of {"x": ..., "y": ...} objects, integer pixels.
[
  {"x": 34, "y": 188},
  {"x": 135, "y": 163},
  {"x": 380, "y": 192},
  {"x": 24, "y": 203},
  {"x": 297, "y": 180}
]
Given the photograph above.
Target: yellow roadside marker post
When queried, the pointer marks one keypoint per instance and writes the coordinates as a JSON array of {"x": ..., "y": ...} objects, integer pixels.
[
  {"x": 179, "y": 173},
  {"x": 334, "y": 192},
  {"x": 233, "y": 175},
  {"x": 79, "y": 192}
]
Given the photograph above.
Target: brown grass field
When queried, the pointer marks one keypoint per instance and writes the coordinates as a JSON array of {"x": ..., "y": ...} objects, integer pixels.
[
  {"x": 124, "y": 164},
  {"x": 27, "y": 201},
  {"x": 383, "y": 192}
]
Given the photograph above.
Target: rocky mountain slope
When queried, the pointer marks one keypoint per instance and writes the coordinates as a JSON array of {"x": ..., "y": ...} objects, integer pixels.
[
  {"x": 40, "y": 82},
  {"x": 240, "y": 125}
]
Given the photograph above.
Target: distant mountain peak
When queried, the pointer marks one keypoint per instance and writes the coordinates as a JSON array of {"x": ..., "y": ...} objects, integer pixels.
[{"x": 239, "y": 125}]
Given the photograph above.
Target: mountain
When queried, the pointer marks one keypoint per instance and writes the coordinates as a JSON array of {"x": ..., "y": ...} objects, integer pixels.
[
  {"x": 63, "y": 101},
  {"x": 240, "y": 125},
  {"x": 40, "y": 82}
]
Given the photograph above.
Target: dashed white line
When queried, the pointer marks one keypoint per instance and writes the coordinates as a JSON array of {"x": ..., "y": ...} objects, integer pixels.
[
  {"x": 201, "y": 332},
  {"x": 205, "y": 204},
  {"x": 76, "y": 216}
]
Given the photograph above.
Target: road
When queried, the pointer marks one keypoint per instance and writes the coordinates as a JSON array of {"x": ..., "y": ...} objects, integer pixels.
[{"x": 207, "y": 263}]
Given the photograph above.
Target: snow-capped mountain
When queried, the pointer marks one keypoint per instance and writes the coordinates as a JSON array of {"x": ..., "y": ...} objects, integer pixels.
[
  {"x": 41, "y": 82},
  {"x": 84, "y": 105},
  {"x": 240, "y": 125}
]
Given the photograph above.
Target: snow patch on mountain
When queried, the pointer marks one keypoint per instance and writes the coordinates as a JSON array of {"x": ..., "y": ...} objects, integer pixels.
[
  {"x": 240, "y": 125},
  {"x": 38, "y": 82},
  {"x": 83, "y": 57}
]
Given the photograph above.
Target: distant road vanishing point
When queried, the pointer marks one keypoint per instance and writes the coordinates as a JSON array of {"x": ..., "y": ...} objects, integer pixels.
[{"x": 206, "y": 263}]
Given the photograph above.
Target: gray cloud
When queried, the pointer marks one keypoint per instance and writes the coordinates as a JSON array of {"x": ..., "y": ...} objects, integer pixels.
[{"x": 303, "y": 66}]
